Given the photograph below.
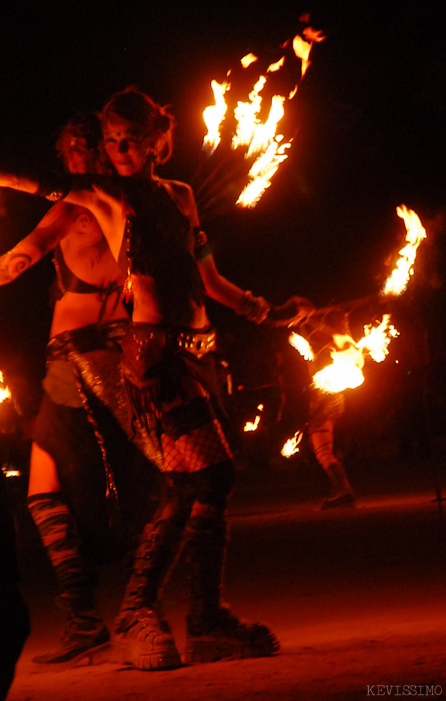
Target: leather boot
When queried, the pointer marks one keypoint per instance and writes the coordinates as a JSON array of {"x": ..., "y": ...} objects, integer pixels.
[
  {"x": 142, "y": 637},
  {"x": 84, "y": 632},
  {"x": 341, "y": 493},
  {"x": 85, "y": 628},
  {"x": 213, "y": 632}
]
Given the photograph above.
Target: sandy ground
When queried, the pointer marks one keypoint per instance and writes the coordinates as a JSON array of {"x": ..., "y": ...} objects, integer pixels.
[{"x": 355, "y": 596}]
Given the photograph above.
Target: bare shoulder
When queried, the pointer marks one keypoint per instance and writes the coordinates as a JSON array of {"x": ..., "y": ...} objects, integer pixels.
[
  {"x": 184, "y": 197},
  {"x": 61, "y": 214}
]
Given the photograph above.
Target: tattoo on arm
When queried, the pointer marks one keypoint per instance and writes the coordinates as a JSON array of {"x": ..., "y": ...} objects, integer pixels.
[{"x": 13, "y": 264}]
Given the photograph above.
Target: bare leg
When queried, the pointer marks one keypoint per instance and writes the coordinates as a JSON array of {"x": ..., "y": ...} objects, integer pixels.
[
  {"x": 341, "y": 492},
  {"x": 43, "y": 477}
]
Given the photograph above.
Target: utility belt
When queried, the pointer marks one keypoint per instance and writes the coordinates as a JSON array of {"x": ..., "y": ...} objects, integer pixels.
[{"x": 147, "y": 348}]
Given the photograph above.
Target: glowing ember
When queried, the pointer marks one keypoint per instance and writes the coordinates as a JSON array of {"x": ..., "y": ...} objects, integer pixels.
[
  {"x": 302, "y": 346},
  {"x": 292, "y": 445},
  {"x": 345, "y": 372},
  {"x": 259, "y": 138},
  {"x": 252, "y": 425},
  {"x": 5, "y": 393},
  {"x": 397, "y": 281}
]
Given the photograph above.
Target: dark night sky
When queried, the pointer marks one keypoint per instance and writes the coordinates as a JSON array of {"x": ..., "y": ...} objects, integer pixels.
[{"x": 370, "y": 115}]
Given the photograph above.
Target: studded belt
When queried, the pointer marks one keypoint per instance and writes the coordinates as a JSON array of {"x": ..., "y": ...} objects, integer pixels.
[
  {"x": 146, "y": 338},
  {"x": 197, "y": 343}
]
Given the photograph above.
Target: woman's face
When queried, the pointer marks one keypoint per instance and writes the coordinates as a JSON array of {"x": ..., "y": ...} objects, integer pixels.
[
  {"x": 78, "y": 157},
  {"x": 123, "y": 146}
]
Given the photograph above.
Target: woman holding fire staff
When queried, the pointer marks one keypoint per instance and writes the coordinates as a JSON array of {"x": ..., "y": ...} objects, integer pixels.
[{"x": 152, "y": 228}]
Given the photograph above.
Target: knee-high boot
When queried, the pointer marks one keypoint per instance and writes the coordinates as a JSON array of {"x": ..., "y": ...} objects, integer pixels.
[
  {"x": 206, "y": 550},
  {"x": 143, "y": 638},
  {"x": 213, "y": 632},
  {"x": 85, "y": 628}
]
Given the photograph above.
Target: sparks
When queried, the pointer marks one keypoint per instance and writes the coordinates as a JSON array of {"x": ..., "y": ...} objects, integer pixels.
[{"x": 397, "y": 281}]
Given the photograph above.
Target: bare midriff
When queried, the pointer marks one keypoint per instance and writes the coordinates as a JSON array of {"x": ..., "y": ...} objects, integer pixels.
[
  {"x": 75, "y": 310},
  {"x": 146, "y": 309}
]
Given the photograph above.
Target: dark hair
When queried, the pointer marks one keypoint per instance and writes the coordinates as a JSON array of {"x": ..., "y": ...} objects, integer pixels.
[
  {"x": 152, "y": 122},
  {"x": 82, "y": 125}
]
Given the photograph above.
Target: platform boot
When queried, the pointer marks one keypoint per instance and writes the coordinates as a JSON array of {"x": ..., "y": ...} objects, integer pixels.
[
  {"x": 85, "y": 629},
  {"x": 143, "y": 639},
  {"x": 213, "y": 632}
]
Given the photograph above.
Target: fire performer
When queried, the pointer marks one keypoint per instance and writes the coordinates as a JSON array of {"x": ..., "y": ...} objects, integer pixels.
[
  {"x": 167, "y": 360},
  {"x": 83, "y": 353},
  {"x": 324, "y": 410}
]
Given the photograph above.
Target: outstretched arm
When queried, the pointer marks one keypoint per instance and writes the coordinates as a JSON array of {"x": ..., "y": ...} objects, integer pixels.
[
  {"x": 17, "y": 182},
  {"x": 53, "y": 228}
]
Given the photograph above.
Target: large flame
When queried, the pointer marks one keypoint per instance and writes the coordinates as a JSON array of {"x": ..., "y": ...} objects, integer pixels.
[
  {"x": 345, "y": 372},
  {"x": 5, "y": 392},
  {"x": 258, "y": 138},
  {"x": 397, "y": 281}
]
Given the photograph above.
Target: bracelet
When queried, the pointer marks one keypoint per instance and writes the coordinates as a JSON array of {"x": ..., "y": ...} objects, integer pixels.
[{"x": 53, "y": 187}]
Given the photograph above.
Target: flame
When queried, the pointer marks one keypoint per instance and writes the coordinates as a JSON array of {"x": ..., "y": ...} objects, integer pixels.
[
  {"x": 345, "y": 372},
  {"x": 397, "y": 281},
  {"x": 214, "y": 114},
  {"x": 252, "y": 425},
  {"x": 276, "y": 66},
  {"x": 302, "y": 50},
  {"x": 301, "y": 344},
  {"x": 5, "y": 392},
  {"x": 247, "y": 60},
  {"x": 292, "y": 445},
  {"x": 376, "y": 340},
  {"x": 259, "y": 139}
]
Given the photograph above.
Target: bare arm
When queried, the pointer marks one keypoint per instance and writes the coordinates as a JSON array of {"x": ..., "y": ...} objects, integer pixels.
[
  {"x": 51, "y": 230},
  {"x": 218, "y": 287},
  {"x": 16, "y": 182}
]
